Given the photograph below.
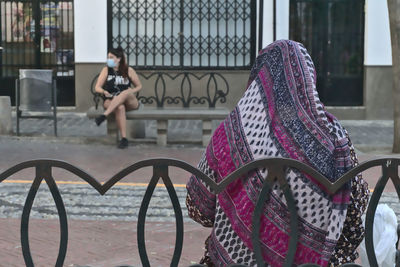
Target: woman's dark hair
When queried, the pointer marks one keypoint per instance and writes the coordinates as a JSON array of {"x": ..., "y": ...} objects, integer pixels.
[{"x": 123, "y": 66}]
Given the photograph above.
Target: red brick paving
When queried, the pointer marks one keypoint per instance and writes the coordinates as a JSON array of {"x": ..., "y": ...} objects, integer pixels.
[
  {"x": 99, "y": 243},
  {"x": 107, "y": 243}
]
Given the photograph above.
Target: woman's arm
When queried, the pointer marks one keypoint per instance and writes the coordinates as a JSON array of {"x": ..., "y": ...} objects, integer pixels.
[
  {"x": 135, "y": 80},
  {"x": 101, "y": 81}
]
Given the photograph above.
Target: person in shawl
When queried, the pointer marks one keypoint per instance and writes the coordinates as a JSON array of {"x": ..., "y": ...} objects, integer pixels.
[{"x": 280, "y": 115}]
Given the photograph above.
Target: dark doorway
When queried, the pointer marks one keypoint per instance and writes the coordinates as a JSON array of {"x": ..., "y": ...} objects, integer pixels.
[
  {"x": 37, "y": 34},
  {"x": 333, "y": 33}
]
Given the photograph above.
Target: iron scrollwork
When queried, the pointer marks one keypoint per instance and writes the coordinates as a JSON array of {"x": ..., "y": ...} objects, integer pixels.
[{"x": 216, "y": 89}]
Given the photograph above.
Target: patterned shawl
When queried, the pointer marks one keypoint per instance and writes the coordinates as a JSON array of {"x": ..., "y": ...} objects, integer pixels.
[{"x": 279, "y": 115}]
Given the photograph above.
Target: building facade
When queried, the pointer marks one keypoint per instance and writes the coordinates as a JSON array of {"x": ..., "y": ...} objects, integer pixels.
[{"x": 349, "y": 41}]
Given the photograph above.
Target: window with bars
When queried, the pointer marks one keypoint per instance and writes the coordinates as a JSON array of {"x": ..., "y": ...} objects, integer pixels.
[{"x": 199, "y": 34}]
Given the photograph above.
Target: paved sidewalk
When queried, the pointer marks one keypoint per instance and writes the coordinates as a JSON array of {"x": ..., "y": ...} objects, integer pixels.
[
  {"x": 371, "y": 136},
  {"x": 76, "y": 127},
  {"x": 102, "y": 240},
  {"x": 368, "y": 136}
]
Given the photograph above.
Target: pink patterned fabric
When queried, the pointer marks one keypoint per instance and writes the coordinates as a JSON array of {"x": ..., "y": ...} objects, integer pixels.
[{"x": 280, "y": 115}]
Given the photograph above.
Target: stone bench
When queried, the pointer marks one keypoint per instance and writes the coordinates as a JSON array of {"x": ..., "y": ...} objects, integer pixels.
[
  {"x": 186, "y": 106},
  {"x": 163, "y": 115}
]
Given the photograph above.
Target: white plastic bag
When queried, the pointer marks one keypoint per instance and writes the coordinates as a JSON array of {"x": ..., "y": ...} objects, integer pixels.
[{"x": 385, "y": 237}]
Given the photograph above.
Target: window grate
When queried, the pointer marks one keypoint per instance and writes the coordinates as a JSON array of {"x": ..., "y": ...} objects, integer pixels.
[{"x": 184, "y": 33}]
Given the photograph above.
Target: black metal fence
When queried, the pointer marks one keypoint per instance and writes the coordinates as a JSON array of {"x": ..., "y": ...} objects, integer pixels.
[
  {"x": 276, "y": 172},
  {"x": 37, "y": 34},
  {"x": 219, "y": 34}
]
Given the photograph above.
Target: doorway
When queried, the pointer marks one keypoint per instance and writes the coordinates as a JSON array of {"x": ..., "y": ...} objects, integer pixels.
[{"x": 333, "y": 33}]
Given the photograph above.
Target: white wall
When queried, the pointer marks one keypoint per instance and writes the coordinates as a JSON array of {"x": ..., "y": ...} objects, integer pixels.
[
  {"x": 90, "y": 18},
  {"x": 282, "y": 19},
  {"x": 377, "y": 34},
  {"x": 268, "y": 20}
]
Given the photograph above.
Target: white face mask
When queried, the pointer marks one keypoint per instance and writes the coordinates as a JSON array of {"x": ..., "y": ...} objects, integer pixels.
[{"x": 111, "y": 63}]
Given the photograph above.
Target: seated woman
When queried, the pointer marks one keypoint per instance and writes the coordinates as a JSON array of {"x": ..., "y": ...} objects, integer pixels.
[
  {"x": 280, "y": 115},
  {"x": 118, "y": 83}
]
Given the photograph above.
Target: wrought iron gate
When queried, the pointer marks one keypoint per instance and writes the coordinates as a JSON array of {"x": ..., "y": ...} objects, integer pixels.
[
  {"x": 196, "y": 34},
  {"x": 37, "y": 34},
  {"x": 333, "y": 33}
]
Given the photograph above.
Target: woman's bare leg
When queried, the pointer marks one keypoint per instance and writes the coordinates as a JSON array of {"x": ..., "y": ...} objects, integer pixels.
[
  {"x": 121, "y": 120},
  {"x": 118, "y": 100},
  {"x": 100, "y": 119},
  {"x": 119, "y": 117},
  {"x": 126, "y": 99},
  {"x": 106, "y": 103},
  {"x": 131, "y": 103}
]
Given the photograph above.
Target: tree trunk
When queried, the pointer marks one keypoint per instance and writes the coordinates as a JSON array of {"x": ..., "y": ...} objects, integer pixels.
[{"x": 394, "y": 18}]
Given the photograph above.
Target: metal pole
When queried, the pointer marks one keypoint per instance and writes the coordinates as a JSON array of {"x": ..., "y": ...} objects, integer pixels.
[
  {"x": 274, "y": 19},
  {"x": 260, "y": 25}
]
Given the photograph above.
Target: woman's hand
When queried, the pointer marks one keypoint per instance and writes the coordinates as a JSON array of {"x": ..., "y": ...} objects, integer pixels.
[{"x": 107, "y": 94}]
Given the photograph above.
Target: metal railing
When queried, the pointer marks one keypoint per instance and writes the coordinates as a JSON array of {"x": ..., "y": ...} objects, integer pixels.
[
  {"x": 215, "y": 84},
  {"x": 276, "y": 173},
  {"x": 177, "y": 34}
]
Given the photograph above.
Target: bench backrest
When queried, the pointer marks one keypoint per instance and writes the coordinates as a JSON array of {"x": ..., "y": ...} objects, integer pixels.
[{"x": 213, "y": 88}]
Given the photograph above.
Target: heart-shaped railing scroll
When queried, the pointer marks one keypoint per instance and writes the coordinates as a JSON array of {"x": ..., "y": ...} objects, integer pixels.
[
  {"x": 276, "y": 172},
  {"x": 217, "y": 88}
]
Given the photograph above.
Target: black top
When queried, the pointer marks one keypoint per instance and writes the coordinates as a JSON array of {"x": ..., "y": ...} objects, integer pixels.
[{"x": 115, "y": 83}]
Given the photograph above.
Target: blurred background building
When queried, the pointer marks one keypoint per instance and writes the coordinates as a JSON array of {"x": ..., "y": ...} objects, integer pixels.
[{"x": 349, "y": 41}]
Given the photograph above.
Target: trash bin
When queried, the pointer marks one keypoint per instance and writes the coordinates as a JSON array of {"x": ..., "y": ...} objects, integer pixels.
[
  {"x": 35, "y": 89},
  {"x": 36, "y": 92}
]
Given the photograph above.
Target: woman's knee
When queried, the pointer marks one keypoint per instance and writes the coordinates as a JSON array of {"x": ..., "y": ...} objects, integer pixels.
[
  {"x": 123, "y": 95},
  {"x": 120, "y": 109},
  {"x": 132, "y": 103}
]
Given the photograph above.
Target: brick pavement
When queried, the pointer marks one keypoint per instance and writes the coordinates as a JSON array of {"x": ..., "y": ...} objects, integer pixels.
[{"x": 99, "y": 243}]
